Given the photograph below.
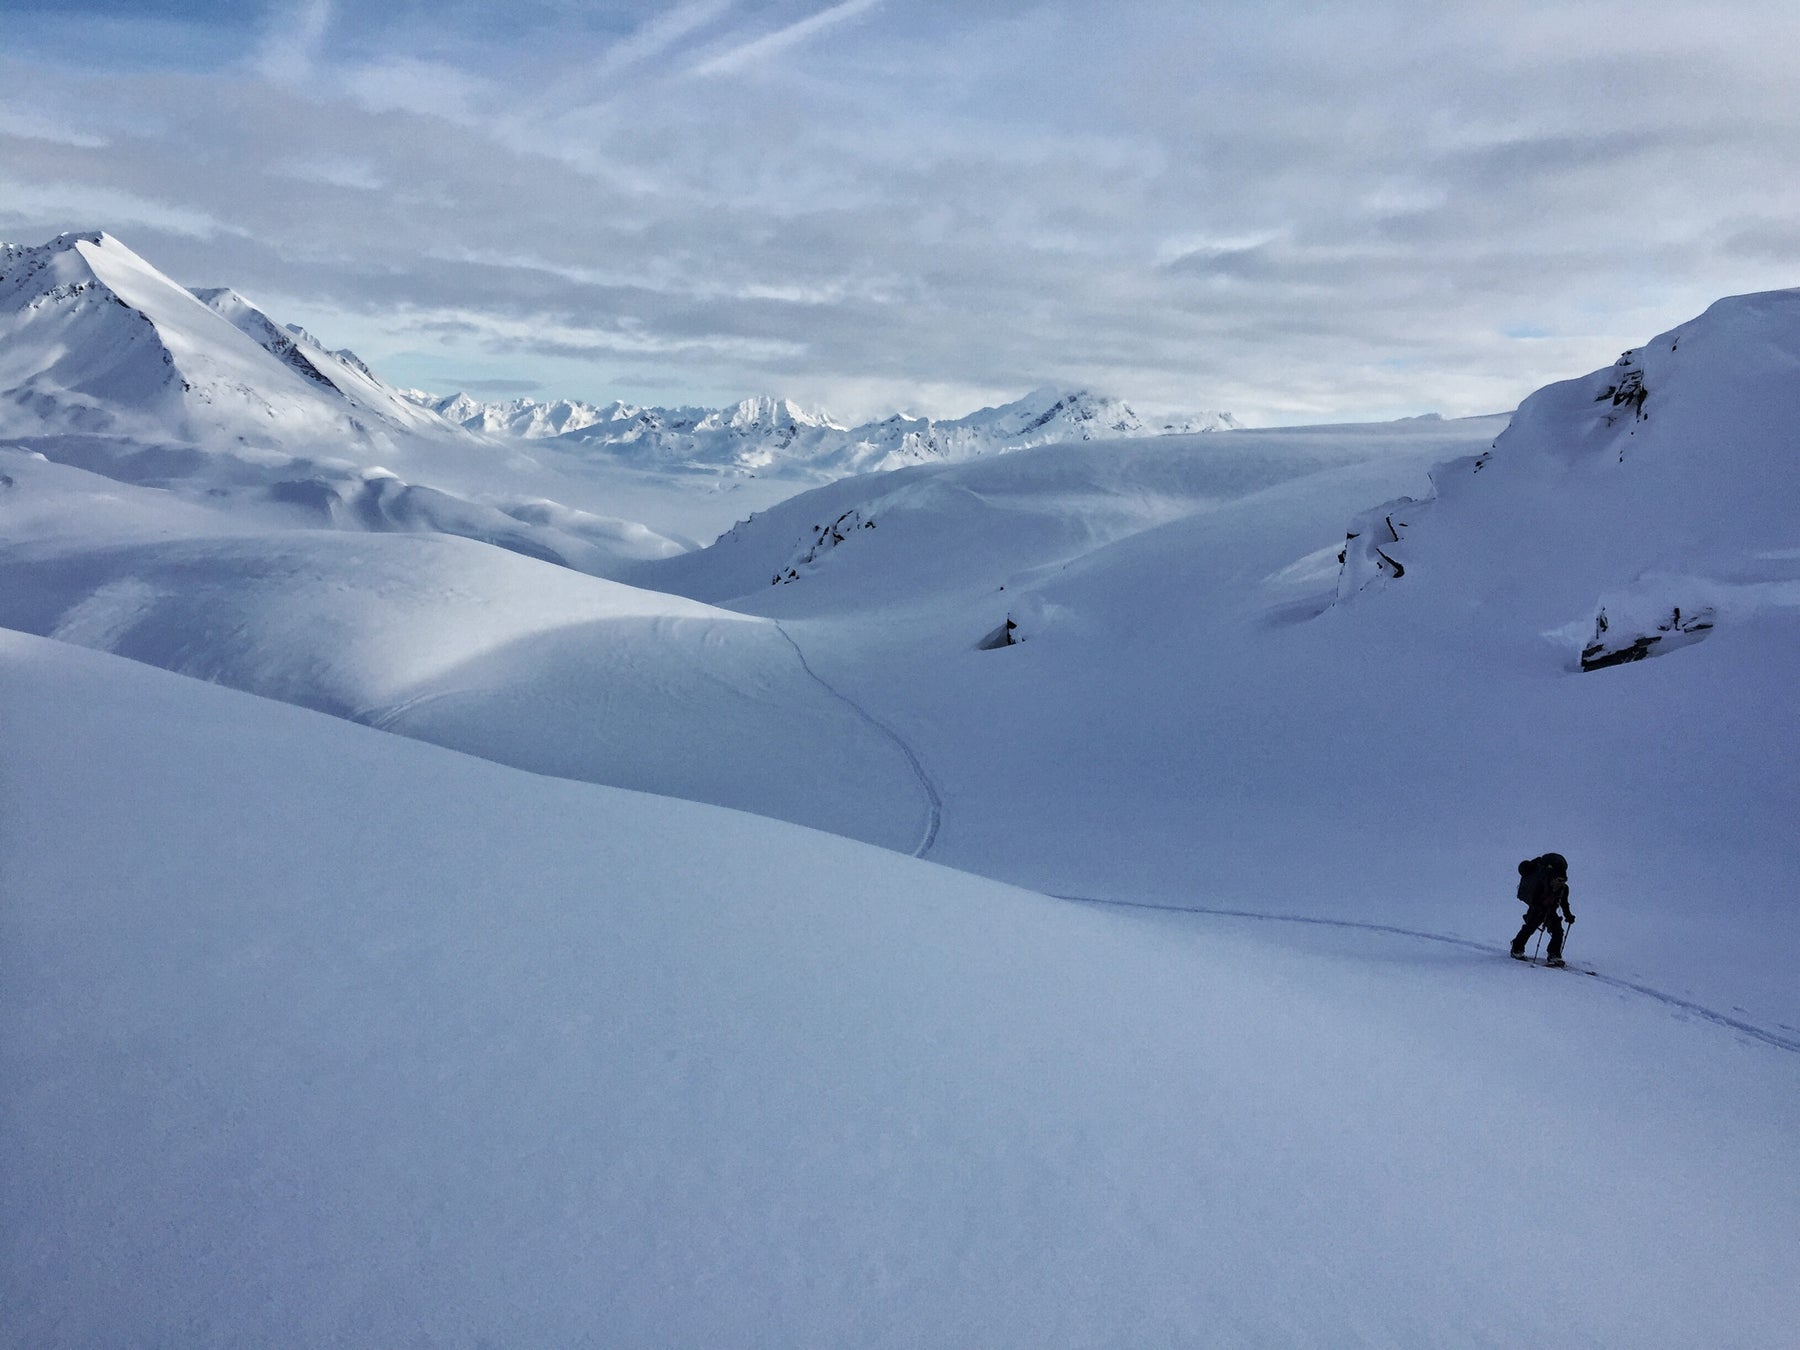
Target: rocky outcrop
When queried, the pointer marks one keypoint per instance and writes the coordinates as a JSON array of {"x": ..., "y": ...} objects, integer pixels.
[
  {"x": 824, "y": 539},
  {"x": 1617, "y": 643},
  {"x": 1372, "y": 550}
]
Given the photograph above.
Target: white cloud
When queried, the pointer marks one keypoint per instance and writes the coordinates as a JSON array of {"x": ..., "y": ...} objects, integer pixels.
[
  {"x": 619, "y": 338},
  {"x": 291, "y": 46},
  {"x": 409, "y": 84},
  {"x": 782, "y": 39},
  {"x": 30, "y": 125},
  {"x": 663, "y": 32},
  {"x": 331, "y": 171},
  {"x": 89, "y": 206}
]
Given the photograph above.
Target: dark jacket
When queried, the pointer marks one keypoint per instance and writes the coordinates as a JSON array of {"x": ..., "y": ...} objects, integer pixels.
[{"x": 1554, "y": 896}]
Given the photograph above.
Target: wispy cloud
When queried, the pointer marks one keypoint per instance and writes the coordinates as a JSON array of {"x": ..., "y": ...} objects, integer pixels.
[
  {"x": 409, "y": 84},
  {"x": 331, "y": 171},
  {"x": 663, "y": 32},
  {"x": 87, "y": 206},
  {"x": 782, "y": 39},
  {"x": 499, "y": 387},
  {"x": 291, "y": 46},
  {"x": 29, "y": 125}
]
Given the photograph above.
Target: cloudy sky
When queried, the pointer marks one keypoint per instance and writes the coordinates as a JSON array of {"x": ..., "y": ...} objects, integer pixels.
[{"x": 1294, "y": 211}]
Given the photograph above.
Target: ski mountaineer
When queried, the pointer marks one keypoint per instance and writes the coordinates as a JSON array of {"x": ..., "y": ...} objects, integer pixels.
[{"x": 1544, "y": 887}]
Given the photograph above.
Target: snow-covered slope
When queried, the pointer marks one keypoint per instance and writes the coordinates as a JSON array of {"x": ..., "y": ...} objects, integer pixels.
[
  {"x": 454, "y": 642},
  {"x": 914, "y": 535},
  {"x": 770, "y": 435},
  {"x": 314, "y": 1036}
]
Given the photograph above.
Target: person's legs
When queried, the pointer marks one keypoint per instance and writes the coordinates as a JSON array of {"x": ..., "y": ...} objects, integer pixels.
[
  {"x": 1554, "y": 924},
  {"x": 1530, "y": 927}
]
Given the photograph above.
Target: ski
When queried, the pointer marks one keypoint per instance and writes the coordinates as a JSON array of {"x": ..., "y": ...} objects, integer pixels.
[{"x": 1545, "y": 965}]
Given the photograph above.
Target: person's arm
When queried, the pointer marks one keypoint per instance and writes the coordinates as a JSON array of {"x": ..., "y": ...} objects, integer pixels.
[{"x": 1562, "y": 889}]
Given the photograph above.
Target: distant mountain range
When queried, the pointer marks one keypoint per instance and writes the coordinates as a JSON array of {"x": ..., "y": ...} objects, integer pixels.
[
  {"x": 772, "y": 435},
  {"x": 95, "y": 341}
]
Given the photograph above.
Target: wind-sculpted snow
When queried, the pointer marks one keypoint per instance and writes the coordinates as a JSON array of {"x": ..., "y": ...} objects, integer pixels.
[
  {"x": 1368, "y": 557},
  {"x": 547, "y": 531},
  {"x": 446, "y": 640},
  {"x": 277, "y": 490}
]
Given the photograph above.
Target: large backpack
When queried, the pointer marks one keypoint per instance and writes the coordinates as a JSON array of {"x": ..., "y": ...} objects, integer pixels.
[{"x": 1531, "y": 881}]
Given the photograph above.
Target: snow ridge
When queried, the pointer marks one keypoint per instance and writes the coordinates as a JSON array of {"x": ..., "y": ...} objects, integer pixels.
[{"x": 341, "y": 373}]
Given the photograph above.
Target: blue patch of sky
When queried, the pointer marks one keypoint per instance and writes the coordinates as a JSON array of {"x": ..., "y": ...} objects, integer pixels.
[
  {"x": 131, "y": 35},
  {"x": 206, "y": 35}
]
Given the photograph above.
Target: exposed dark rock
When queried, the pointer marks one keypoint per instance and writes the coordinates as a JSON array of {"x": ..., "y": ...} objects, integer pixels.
[
  {"x": 1610, "y": 647},
  {"x": 1006, "y": 635},
  {"x": 824, "y": 537}
]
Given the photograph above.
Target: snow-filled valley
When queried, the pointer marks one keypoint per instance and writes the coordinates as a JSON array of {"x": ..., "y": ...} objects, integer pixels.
[{"x": 445, "y": 1004}]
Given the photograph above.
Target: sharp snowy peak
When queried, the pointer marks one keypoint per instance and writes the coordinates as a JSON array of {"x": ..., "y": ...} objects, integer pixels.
[
  {"x": 526, "y": 418},
  {"x": 766, "y": 416},
  {"x": 1043, "y": 417},
  {"x": 96, "y": 341},
  {"x": 1625, "y": 514}
]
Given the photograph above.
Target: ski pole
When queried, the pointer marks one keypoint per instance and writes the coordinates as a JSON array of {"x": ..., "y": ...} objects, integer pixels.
[{"x": 1539, "y": 943}]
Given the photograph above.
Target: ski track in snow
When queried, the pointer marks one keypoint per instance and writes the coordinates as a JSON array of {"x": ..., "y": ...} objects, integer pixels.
[
  {"x": 1750, "y": 1029},
  {"x": 935, "y": 819},
  {"x": 934, "y": 803},
  {"x": 384, "y": 717}
]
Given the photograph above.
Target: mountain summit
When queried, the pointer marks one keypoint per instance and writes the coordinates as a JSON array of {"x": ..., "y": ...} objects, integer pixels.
[{"x": 96, "y": 341}]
